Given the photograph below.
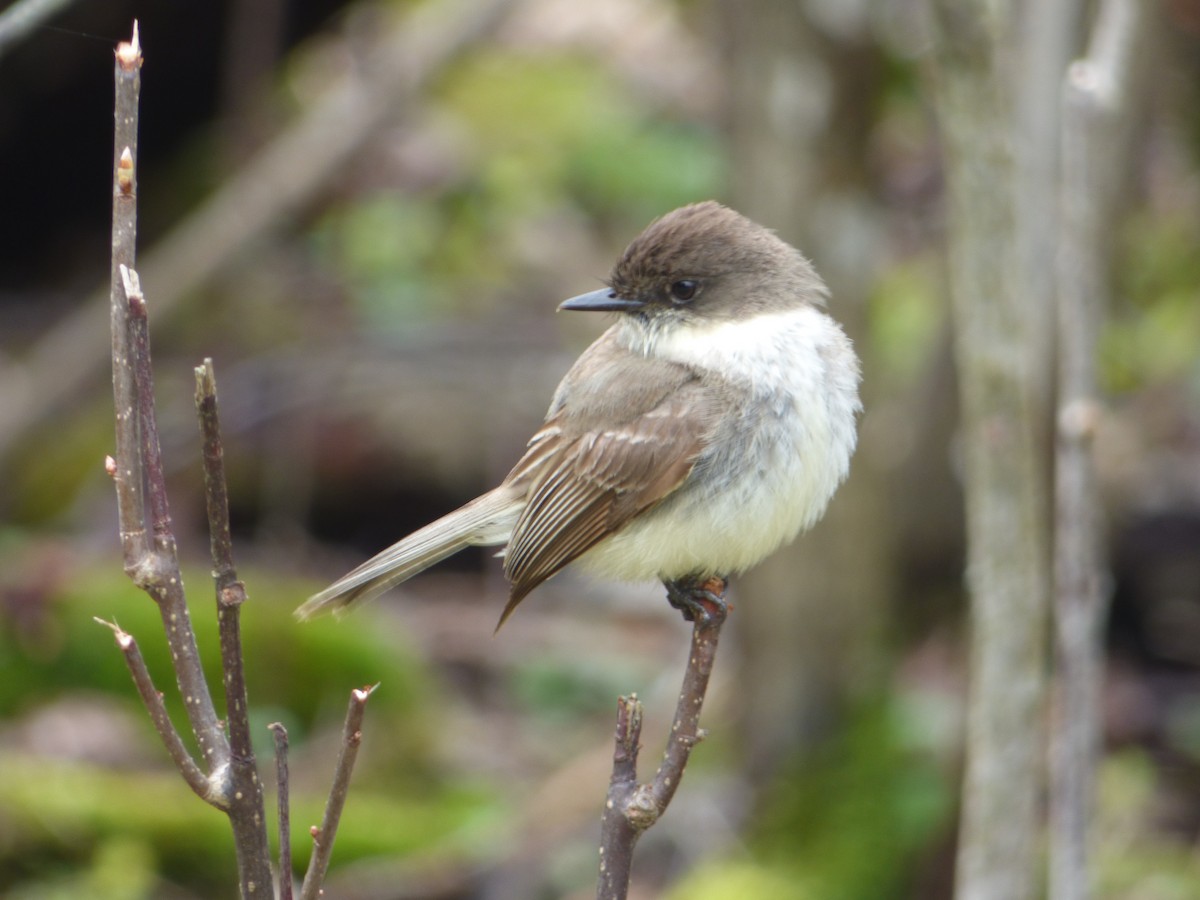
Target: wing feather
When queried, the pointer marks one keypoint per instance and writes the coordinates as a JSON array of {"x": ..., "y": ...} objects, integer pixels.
[{"x": 587, "y": 483}]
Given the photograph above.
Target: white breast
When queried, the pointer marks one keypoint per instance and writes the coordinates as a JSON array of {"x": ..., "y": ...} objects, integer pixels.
[{"x": 759, "y": 487}]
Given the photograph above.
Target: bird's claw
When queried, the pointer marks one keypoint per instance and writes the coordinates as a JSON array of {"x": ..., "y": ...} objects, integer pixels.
[{"x": 700, "y": 600}]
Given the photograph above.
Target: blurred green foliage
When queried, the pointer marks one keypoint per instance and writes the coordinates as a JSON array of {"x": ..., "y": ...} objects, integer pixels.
[
  {"x": 907, "y": 314},
  {"x": 556, "y": 691},
  {"x": 306, "y": 668},
  {"x": 852, "y": 817},
  {"x": 119, "y": 869},
  {"x": 1136, "y": 861},
  {"x": 538, "y": 136},
  {"x": 70, "y": 816},
  {"x": 383, "y": 247},
  {"x": 73, "y": 822},
  {"x": 849, "y": 821},
  {"x": 855, "y": 821},
  {"x": 720, "y": 881},
  {"x": 56, "y": 463},
  {"x": 553, "y": 129},
  {"x": 1153, "y": 333}
]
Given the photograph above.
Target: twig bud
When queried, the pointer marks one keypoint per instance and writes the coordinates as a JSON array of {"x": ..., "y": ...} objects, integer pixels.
[
  {"x": 129, "y": 55},
  {"x": 125, "y": 172}
]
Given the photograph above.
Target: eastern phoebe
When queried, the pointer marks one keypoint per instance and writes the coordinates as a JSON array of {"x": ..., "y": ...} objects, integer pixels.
[{"x": 710, "y": 424}]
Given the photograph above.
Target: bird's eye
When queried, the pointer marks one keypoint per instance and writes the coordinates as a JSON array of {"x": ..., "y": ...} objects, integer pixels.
[{"x": 684, "y": 290}]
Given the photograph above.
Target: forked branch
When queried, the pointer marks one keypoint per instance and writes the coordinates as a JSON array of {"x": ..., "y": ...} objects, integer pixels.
[
  {"x": 136, "y": 467},
  {"x": 631, "y": 808},
  {"x": 226, "y": 776}
]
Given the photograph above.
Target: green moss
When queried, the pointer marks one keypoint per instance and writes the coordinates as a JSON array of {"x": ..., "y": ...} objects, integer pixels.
[
  {"x": 1133, "y": 858},
  {"x": 97, "y": 823},
  {"x": 299, "y": 673},
  {"x": 65, "y": 827}
]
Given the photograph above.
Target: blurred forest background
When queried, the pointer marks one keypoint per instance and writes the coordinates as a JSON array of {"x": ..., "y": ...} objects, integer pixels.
[{"x": 368, "y": 232}]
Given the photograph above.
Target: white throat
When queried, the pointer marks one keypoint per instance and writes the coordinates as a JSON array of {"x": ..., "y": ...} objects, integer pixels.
[{"x": 768, "y": 345}]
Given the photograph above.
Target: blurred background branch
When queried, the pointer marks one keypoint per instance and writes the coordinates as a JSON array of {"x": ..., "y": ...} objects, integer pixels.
[
  {"x": 25, "y": 16},
  {"x": 274, "y": 184},
  {"x": 1100, "y": 93}
]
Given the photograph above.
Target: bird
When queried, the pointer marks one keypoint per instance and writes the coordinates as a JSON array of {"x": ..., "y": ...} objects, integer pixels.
[{"x": 709, "y": 424}]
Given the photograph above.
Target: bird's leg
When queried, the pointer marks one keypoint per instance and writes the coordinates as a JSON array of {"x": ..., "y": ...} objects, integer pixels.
[{"x": 699, "y": 598}]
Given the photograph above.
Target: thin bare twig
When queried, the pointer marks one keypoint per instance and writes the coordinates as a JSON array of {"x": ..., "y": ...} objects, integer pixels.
[
  {"x": 228, "y": 778},
  {"x": 137, "y": 459},
  {"x": 149, "y": 447},
  {"x": 284, "y": 804},
  {"x": 229, "y": 784},
  {"x": 246, "y": 809},
  {"x": 156, "y": 571},
  {"x": 127, "y": 475},
  {"x": 324, "y": 835},
  {"x": 631, "y": 808},
  {"x": 153, "y": 701},
  {"x": 618, "y": 836}
]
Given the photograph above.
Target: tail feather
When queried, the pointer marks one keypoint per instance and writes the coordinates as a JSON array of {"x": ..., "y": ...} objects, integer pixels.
[{"x": 485, "y": 521}]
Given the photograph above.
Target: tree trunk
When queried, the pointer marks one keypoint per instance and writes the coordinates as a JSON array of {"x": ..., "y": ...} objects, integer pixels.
[{"x": 999, "y": 344}]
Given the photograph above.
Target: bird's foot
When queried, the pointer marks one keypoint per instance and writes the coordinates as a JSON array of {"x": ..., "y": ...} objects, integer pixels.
[{"x": 700, "y": 599}]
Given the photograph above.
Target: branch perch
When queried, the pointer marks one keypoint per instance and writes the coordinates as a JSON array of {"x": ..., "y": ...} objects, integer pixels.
[{"x": 631, "y": 808}]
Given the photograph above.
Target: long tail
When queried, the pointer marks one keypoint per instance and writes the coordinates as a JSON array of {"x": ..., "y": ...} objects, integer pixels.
[{"x": 485, "y": 521}]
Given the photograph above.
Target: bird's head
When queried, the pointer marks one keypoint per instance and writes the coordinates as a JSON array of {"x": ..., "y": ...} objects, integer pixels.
[{"x": 704, "y": 263}]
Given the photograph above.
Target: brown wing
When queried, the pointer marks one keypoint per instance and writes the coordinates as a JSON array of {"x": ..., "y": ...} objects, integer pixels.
[{"x": 592, "y": 482}]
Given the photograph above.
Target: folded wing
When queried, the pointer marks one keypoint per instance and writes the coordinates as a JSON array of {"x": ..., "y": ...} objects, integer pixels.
[{"x": 591, "y": 482}]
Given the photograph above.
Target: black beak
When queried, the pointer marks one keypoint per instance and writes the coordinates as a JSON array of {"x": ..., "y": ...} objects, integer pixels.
[{"x": 603, "y": 300}]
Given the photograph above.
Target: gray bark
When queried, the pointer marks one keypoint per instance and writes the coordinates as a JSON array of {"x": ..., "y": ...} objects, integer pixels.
[{"x": 1001, "y": 363}]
